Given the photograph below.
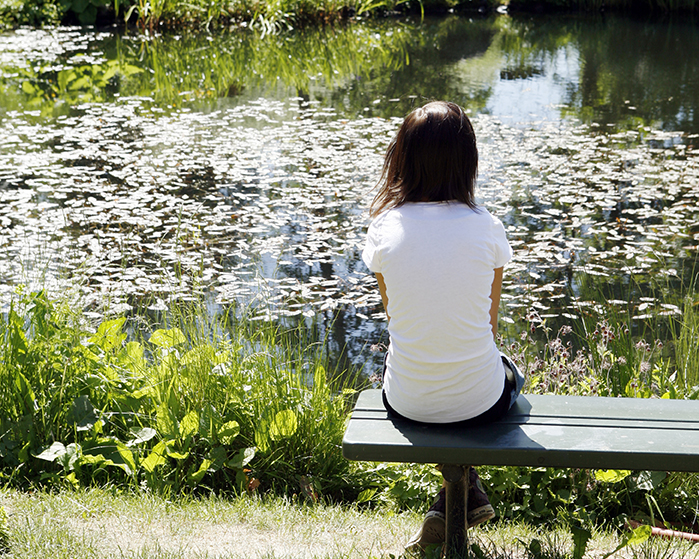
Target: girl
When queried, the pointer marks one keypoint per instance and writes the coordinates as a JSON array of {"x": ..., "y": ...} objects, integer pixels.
[{"x": 438, "y": 260}]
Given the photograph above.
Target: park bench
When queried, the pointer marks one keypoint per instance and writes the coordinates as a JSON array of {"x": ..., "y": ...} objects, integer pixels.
[{"x": 539, "y": 430}]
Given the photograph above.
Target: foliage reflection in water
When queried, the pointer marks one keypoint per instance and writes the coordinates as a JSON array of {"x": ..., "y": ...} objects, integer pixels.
[{"x": 239, "y": 167}]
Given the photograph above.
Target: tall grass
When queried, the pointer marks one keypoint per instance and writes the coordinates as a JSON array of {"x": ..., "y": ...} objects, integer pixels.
[
  {"x": 192, "y": 403},
  {"x": 220, "y": 403}
]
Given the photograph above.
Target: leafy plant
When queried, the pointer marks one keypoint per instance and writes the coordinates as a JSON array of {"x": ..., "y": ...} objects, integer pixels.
[{"x": 222, "y": 406}]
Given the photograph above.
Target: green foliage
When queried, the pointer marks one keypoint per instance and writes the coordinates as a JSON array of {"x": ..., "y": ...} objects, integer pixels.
[
  {"x": 400, "y": 485},
  {"x": 86, "y": 11},
  {"x": 30, "y": 12},
  {"x": 4, "y": 535},
  {"x": 231, "y": 405},
  {"x": 218, "y": 407},
  {"x": 635, "y": 5}
]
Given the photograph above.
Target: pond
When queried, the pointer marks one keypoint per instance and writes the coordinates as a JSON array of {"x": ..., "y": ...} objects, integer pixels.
[{"x": 137, "y": 171}]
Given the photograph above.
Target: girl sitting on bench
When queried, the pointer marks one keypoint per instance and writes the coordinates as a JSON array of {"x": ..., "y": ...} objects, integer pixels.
[{"x": 438, "y": 260}]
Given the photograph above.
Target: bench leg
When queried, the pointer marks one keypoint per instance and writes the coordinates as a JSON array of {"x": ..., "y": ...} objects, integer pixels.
[{"x": 456, "y": 490}]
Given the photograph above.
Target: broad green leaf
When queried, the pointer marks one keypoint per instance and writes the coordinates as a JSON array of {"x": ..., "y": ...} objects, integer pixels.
[
  {"x": 71, "y": 456},
  {"x": 640, "y": 535},
  {"x": 611, "y": 476},
  {"x": 283, "y": 426},
  {"x": 580, "y": 538},
  {"x": 130, "y": 69},
  {"x": 109, "y": 335},
  {"x": 134, "y": 356},
  {"x": 647, "y": 481},
  {"x": 637, "y": 536},
  {"x": 25, "y": 394},
  {"x": 167, "y": 338},
  {"x": 197, "y": 476},
  {"x": 82, "y": 413},
  {"x": 112, "y": 452},
  {"x": 262, "y": 437},
  {"x": 241, "y": 458},
  {"x": 112, "y": 68},
  {"x": 142, "y": 436},
  {"x": 50, "y": 454},
  {"x": 189, "y": 425},
  {"x": 177, "y": 455},
  {"x": 166, "y": 422},
  {"x": 155, "y": 458},
  {"x": 366, "y": 495},
  {"x": 218, "y": 457},
  {"x": 227, "y": 432}
]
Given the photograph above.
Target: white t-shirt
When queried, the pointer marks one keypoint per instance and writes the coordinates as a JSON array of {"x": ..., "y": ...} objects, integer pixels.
[{"x": 438, "y": 260}]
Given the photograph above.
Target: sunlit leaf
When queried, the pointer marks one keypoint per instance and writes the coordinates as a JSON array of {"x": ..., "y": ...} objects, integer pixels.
[
  {"x": 189, "y": 425},
  {"x": 241, "y": 459},
  {"x": 283, "y": 426},
  {"x": 157, "y": 457},
  {"x": 167, "y": 338},
  {"x": 611, "y": 476},
  {"x": 227, "y": 432}
]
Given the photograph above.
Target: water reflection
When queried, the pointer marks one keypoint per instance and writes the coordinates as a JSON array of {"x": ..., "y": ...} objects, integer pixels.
[{"x": 236, "y": 167}]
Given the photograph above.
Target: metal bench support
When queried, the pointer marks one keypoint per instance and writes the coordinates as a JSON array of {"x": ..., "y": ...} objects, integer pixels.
[{"x": 456, "y": 492}]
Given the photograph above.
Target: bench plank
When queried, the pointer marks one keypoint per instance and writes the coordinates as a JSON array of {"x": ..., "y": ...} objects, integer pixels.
[{"x": 552, "y": 431}]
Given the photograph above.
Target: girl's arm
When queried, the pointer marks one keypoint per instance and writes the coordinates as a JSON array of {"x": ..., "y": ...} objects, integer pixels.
[
  {"x": 494, "y": 300},
  {"x": 384, "y": 297}
]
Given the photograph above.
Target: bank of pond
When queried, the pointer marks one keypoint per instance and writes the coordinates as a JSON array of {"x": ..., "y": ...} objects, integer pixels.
[
  {"x": 194, "y": 404},
  {"x": 151, "y": 15}
]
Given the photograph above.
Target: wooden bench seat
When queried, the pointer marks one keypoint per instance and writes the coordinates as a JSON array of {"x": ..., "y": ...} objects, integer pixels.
[{"x": 551, "y": 431}]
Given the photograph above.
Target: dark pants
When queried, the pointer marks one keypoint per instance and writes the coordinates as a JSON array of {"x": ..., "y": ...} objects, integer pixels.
[{"x": 499, "y": 409}]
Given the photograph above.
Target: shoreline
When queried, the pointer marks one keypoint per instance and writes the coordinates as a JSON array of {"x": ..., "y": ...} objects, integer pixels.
[{"x": 218, "y": 16}]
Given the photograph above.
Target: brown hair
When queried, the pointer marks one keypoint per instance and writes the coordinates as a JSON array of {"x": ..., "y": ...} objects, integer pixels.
[{"x": 432, "y": 158}]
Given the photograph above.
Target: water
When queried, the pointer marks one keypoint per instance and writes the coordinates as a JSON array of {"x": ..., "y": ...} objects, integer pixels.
[{"x": 139, "y": 171}]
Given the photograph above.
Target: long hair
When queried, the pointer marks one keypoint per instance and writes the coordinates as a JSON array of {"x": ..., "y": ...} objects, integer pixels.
[{"x": 432, "y": 158}]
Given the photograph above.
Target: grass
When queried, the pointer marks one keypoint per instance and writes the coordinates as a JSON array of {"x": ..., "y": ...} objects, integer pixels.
[
  {"x": 103, "y": 523},
  {"x": 196, "y": 404}
]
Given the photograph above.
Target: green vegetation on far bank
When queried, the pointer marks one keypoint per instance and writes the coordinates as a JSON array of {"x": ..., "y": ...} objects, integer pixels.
[{"x": 274, "y": 15}]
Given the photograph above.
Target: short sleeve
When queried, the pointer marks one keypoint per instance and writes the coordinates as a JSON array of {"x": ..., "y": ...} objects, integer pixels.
[
  {"x": 502, "y": 248},
  {"x": 370, "y": 254}
]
